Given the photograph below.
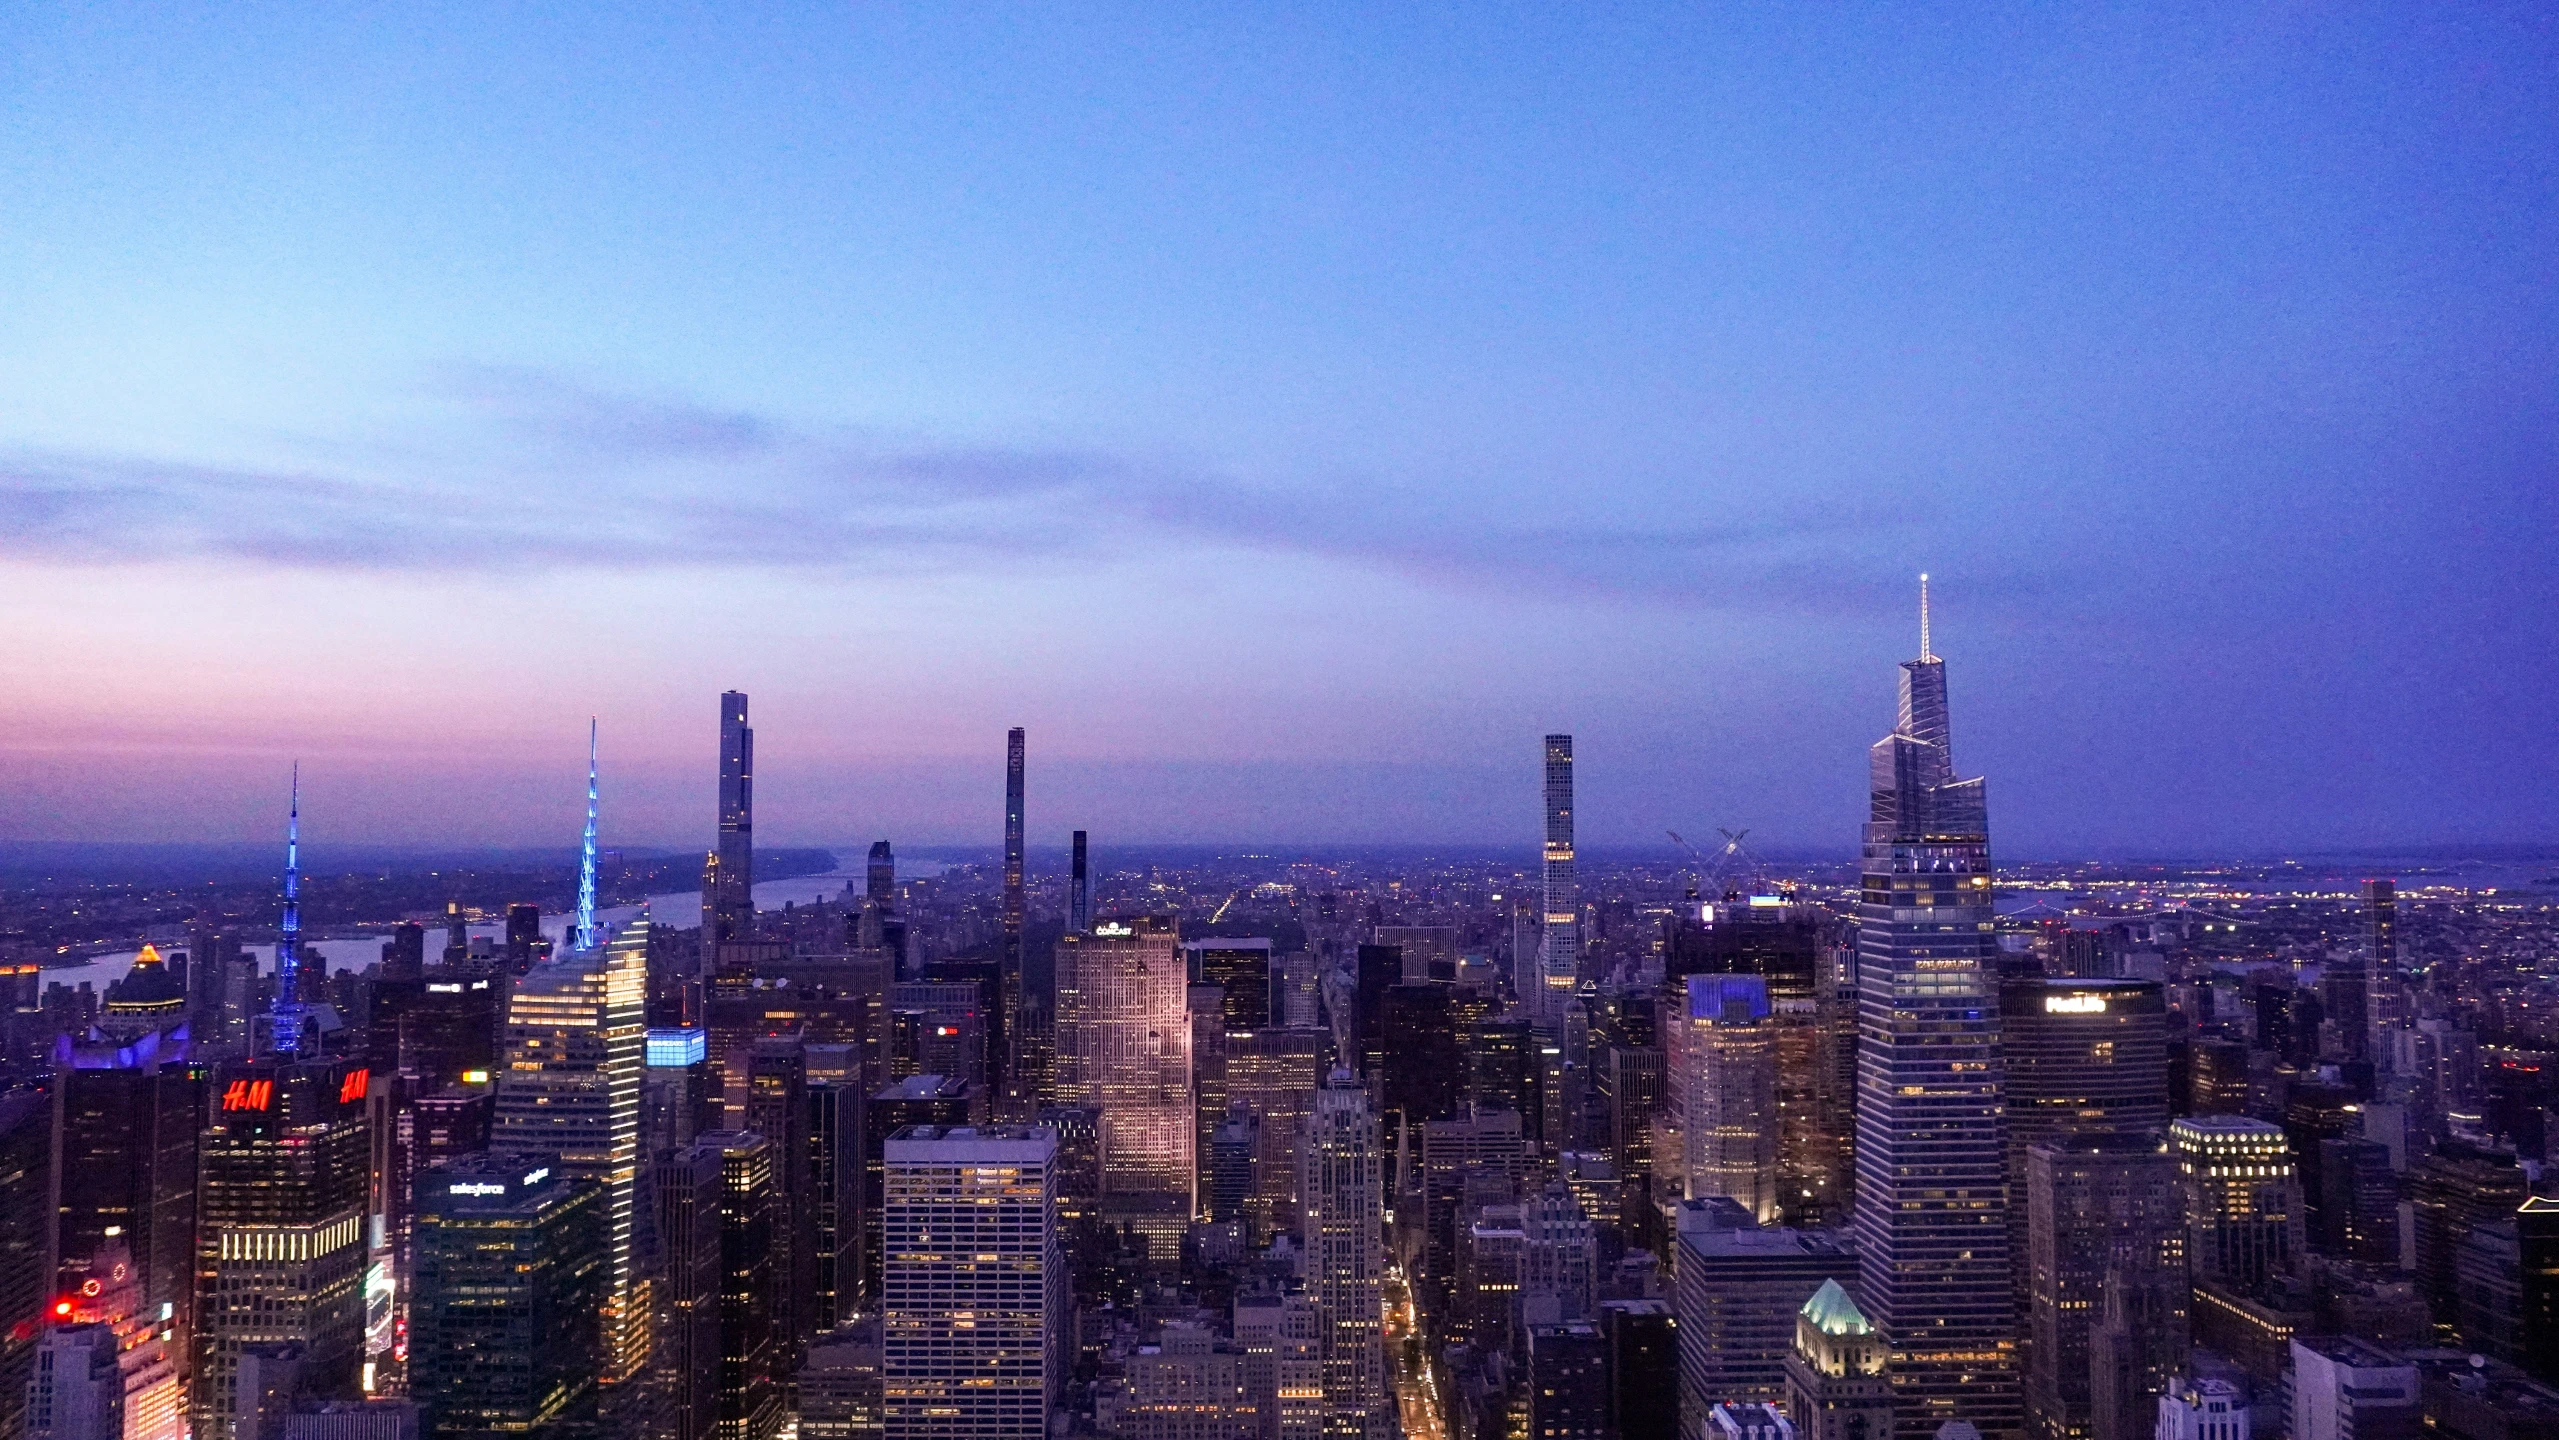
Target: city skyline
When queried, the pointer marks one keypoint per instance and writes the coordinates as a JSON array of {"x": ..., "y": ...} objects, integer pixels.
[{"x": 1317, "y": 385}]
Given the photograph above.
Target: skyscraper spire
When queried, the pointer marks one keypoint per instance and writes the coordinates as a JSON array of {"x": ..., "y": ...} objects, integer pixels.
[
  {"x": 287, "y": 1011},
  {"x": 585, "y": 938},
  {"x": 1925, "y": 654}
]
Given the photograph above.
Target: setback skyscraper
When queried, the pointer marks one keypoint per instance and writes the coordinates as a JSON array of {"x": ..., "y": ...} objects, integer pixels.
[
  {"x": 1344, "y": 1192},
  {"x": 1559, "y": 962},
  {"x": 1931, "y": 1212}
]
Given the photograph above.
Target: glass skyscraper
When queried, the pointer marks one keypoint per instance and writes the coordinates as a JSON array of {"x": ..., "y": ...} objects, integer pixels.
[
  {"x": 576, "y": 1050},
  {"x": 1931, "y": 1216}
]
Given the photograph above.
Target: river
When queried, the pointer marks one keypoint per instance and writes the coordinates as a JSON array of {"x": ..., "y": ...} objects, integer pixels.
[{"x": 681, "y": 908}]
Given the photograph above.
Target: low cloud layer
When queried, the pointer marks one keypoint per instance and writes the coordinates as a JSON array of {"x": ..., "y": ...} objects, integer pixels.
[{"x": 524, "y": 467}]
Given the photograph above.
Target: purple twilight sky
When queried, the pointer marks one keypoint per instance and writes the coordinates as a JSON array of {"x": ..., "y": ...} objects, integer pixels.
[{"x": 1287, "y": 413}]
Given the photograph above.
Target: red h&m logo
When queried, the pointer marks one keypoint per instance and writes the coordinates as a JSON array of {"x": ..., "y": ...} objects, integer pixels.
[
  {"x": 352, "y": 1087},
  {"x": 248, "y": 1095}
]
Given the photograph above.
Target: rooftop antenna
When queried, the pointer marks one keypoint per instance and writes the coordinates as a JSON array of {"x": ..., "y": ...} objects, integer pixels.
[
  {"x": 288, "y": 944},
  {"x": 586, "y": 858},
  {"x": 1926, "y": 655}
]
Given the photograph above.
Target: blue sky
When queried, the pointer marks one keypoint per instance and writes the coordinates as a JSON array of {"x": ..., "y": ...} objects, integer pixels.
[{"x": 1287, "y": 414}]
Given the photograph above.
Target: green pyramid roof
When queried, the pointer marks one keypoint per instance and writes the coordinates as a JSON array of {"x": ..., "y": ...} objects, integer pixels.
[{"x": 1833, "y": 1313}]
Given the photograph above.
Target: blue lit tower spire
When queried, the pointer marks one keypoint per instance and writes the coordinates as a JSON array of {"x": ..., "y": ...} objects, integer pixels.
[
  {"x": 585, "y": 937},
  {"x": 287, "y": 1012}
]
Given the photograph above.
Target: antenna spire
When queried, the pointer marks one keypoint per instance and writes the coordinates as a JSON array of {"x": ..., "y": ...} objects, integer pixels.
[
  {"x": 287, "y": 1012},
  {"x": 1925, "y": 654},
  {"x": 586, "y": 859}
]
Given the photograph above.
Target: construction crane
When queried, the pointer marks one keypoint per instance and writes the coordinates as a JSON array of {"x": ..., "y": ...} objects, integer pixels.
[{"x": 1710, "y": 872}]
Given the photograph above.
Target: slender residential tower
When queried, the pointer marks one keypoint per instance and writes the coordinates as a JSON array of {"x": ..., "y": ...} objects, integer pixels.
[
  {"x": 1004, "y": 1049},
  {"x": 1560, "y": 964},
  {"x": 1931, "y": 1220},
  {"x": 728, "y": 898},
  {"x": 1079, "y": 891}
]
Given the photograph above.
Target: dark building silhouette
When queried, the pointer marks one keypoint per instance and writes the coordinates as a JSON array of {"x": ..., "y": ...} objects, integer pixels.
[{"x": 506, "y": 1332}]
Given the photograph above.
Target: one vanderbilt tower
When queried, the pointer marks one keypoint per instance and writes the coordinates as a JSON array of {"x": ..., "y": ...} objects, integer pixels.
[{"x": 1931, "y": 1204}]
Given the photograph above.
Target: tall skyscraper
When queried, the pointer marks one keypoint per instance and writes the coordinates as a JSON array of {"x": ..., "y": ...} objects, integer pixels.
[
  {"x": 26, "y": 1154},
  {"x": 750, "y": 1299},
  {"x": 777, "y": 1108},
  {"x": 2241, "y": 1194},
  {"x": 1124, "y": 1045},
  {"x": 1004, "y": 1058},
  {"x": 1719, "y": 1050},
  {"x": 2345, "y": 985},
  {"x": 1079, "y": 889},
  {"x": 288, "y": 1012},
  {"x": 2084, "y": 1056},
  {"x": 691, "y": 1186},
  {"x": 576, "y": 1054},
  {"x": 728, "y": 899},
  {"x": 1931, "y": 1205},
  {"x": 973, "y": 1285},
  {"x": 125, "y": 1120},
  {"x": 879, "y": 881},
  {"x": 1559, "y": 964},
  {"x": 506, "y": 1311},
  {"x": 280, "y": 1245},
  {"x": 2104, "y": 1215},
  {"x": 1344, "y": 1194}
]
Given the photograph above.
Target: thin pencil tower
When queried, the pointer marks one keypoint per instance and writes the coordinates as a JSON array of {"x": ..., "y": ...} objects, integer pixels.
[
  {"x": 1007, "y": 1052},
  {"x": 288, "y": 945},
  {"x": 585, "y": 937}
]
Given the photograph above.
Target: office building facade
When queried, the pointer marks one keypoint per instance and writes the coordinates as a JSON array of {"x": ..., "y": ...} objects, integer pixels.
[
  {"x": 973, "y": 1289},
  {"x": 1932, "y": 1198}
]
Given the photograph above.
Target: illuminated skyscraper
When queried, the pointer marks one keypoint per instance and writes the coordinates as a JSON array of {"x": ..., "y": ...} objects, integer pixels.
[
  {"x": 280, "y": 1245},
  {"x": 288, "y": 1010},
  {"x": 750, "y": 1294},
  {"x": 125, "y": 1122},
  {"x": 973, "y": 1285},
  {"x": 1004, "y": 1053},
  {"x": 1124, "y": 1045},
  {"x": 575, "y": 1057},
  {"x": 1559, "y": 964},
  {"x": 728, "y": 899},
  {"x": 1719, "y": 1051},
  {"x": 1836, "y": 1385},
  {"x": 1344, "y": 1192},
  {"x": 2347, "y": 980},
  {"x": 2241, "y": 1195},
  {"x": 1931, "y": 1206}
]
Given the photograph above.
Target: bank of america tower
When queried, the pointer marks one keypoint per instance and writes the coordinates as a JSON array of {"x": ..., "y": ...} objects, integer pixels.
[{"x": 1931, "y": 1217}]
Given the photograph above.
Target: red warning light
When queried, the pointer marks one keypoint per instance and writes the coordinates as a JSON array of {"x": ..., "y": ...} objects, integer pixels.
[
  {"x": 351, "y": 1089},
  {"x": 62, "y": 1307},
  {"x": 248, "y": 1095}
]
